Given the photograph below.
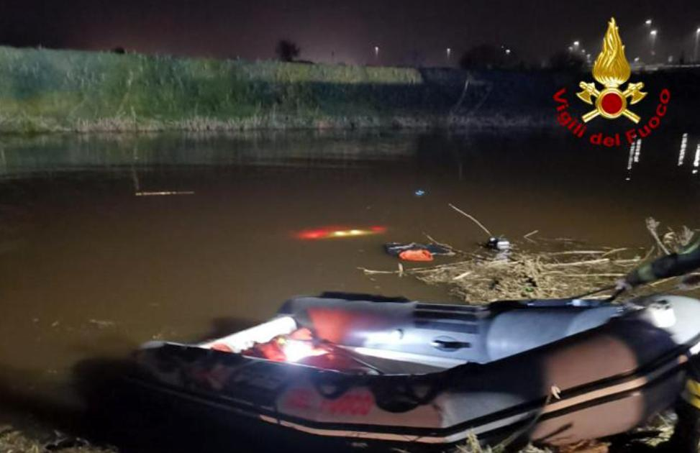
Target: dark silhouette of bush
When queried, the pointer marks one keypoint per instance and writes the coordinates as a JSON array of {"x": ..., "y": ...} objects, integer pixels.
[
  {"x": 488, "y": 56},
  {"x": 566, "y": 61},
  {"x": 287, "y": 50}
]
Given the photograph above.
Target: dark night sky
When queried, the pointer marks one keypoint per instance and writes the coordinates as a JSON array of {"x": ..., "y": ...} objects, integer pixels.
[{"x": 405, "y": 30}]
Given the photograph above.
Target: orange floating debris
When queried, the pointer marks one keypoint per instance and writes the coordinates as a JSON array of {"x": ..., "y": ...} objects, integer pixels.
[{"x": 416, "y": 255}]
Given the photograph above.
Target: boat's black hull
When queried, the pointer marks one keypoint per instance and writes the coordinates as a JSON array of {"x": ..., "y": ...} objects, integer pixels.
[{"x": 656, "y": 390}]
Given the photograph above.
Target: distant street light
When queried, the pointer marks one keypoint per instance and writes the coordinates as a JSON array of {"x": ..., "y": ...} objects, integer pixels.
[
  {"x": 697, "y": 37},
  {"x": 507, "y": 51},
  {"x": 448, "y": 52},
  {"x": 647, "y": 24},
  {"x": 376, "y": 53},
  {"x": 576, "y": 43},
  {"x": 653, "y": 34}
]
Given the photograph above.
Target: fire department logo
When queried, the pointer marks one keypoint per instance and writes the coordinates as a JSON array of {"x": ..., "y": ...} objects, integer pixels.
[{"x": 612, "y": 70}]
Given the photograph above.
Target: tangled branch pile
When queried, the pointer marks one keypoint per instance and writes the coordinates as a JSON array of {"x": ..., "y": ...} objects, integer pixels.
[
  {"x": 540, "y": 269},
  {"x": 530, "y": 274}
]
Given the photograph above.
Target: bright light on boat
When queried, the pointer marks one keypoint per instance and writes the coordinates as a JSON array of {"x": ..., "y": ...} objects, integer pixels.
[
  {"x": 295, "y": 350},
  {"x": 259, "y": 334},
  {"x": 385, "y": 337},
  {"x": 443, "y": 362}
]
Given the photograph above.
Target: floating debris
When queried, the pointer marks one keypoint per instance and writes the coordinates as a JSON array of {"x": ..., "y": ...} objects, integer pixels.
[
  {"x": 102, "y": 324},
  {"x": 527, "y": 274},
  {"x": 164, "y": 193},
  {"x": 498, "y": 243},
  {"x": 543, "y": 269}
]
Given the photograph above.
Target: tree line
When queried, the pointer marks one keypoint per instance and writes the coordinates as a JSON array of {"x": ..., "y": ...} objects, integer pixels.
[{"x": 480, "y": 57}]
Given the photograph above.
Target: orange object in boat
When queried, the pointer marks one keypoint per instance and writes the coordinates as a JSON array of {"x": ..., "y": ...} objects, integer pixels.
[
  {"x": 292, "y": 347},
  {"x": 416, "y": 255},
  {"x": 221, "y": 347},
  {"x": 302, "y": 334}
]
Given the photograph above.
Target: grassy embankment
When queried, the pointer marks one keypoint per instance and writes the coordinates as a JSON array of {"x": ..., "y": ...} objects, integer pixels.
[{"x": 49, "y": 90}]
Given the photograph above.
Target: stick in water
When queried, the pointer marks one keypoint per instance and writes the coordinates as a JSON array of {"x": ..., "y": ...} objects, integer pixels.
[
  {"x": 472, "y": 218},
  {"x": 527, "y": 236}
]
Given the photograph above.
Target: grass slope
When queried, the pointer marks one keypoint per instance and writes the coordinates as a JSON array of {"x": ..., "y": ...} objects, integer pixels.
[{"x": 50, "y": 90}]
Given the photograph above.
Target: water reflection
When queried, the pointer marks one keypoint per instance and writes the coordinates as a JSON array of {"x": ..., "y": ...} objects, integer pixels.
[
  {"x": 61, "y": 153},
  {"x": 660, "y": 164},
  {"x": 635, "y": 153},
  {"x": 111, "y": 155},
  {"x": 684, "y": 145}
]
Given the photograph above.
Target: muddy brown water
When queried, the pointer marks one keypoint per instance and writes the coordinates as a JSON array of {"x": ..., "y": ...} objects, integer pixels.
[{"x": 89, "y": 268}]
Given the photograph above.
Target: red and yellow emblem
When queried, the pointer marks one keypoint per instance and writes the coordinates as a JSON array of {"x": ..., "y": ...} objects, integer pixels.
[{"x": 611, "y": 69}]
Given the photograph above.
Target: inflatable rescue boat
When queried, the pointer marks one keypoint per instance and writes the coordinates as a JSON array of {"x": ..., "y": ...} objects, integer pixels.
[{"x": 367, "y": 370}]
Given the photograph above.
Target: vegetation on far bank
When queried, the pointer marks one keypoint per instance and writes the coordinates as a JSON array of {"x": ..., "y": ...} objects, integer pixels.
[
  {"x": 57, "y": 90},
  {"x": 50, "y": 90},
  {"x": 74, "y": 91}
]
